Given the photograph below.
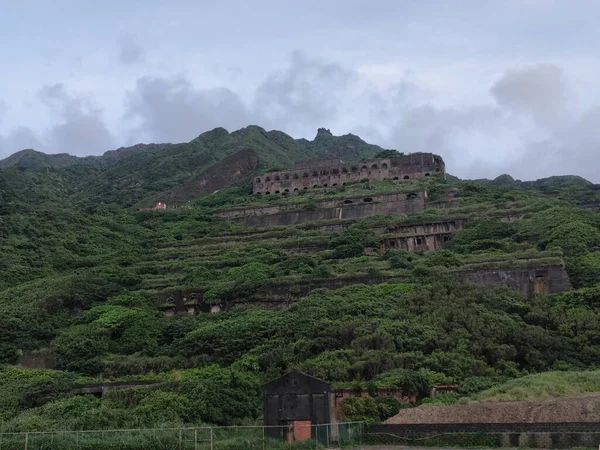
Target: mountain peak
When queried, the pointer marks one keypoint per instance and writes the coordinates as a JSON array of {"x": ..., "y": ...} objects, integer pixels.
[{"x": 323, "y": 132}]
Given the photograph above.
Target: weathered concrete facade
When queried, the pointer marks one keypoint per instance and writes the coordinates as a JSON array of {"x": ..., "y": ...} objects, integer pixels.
[
  {"x": 425, "y": 237},
  {"x": 365, "y": 206},
  {"x": 325, "y": 173},
  {"x": 529, "y": 281}
]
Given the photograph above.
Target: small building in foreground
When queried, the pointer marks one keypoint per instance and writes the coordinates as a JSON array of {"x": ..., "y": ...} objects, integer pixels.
[{"x": 295, "y": 404}]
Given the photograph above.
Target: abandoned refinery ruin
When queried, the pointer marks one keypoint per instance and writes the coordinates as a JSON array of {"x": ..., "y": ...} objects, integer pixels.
[
  {"x": 328, "y": 196},
  {"x": 332, "y": 172}
]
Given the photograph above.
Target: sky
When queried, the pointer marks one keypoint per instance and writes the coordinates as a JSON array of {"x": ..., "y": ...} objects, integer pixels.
[{"x": 494, "y": 86}]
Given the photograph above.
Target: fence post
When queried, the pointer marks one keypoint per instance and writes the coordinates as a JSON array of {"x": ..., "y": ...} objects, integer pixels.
[
  {"x": 180, "y": 439},
  {"x": 26, "y": 440},
  {"x": 211, "y": 439},
  {"x": 327, "y": 431},
  {"x": 196, "y": 439},
  {"x": 263, "y": 428},
  {"x": 76, "y": 439}
]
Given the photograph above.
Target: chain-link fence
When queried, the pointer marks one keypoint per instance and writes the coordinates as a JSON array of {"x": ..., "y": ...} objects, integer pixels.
[{"x": 334, "y": 435}]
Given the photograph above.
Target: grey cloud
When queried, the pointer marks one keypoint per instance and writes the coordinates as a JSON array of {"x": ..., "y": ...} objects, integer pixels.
[
  {"x": 171, "y": 109},
  {"x": 539, "y": 90},
  {"x": 304, "y": 96},
  {"x": 18, "y": 139},
  {"x": 130, "y": 52},
  {"x": 80, "y": 129}
]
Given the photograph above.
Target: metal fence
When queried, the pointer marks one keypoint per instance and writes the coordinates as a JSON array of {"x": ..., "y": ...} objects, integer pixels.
[{"x": 334, "y": 435}]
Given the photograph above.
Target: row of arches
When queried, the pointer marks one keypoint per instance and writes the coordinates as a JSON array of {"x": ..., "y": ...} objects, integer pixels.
[
  {"x": 316, "y": 173},
  {"x": 325, "y": 185}
]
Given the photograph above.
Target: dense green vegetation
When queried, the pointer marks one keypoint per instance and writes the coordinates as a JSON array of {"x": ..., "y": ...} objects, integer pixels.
[{"x": 83, "y": 276}]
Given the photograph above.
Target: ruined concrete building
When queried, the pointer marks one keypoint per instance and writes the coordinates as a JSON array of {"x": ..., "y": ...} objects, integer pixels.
[{"x": 323, "y": 173}]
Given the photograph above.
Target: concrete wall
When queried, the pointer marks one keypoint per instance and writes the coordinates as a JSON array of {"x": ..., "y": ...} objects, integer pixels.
[
  {"x": 365, "y": 206},
  {"x": 331, "y": 173},
  {"x": 533, "y": 435},
  {"x": 529, "y": 281}
]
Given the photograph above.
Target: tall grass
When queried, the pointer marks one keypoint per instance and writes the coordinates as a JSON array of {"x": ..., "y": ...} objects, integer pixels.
[{"x": 543, "y": 386}]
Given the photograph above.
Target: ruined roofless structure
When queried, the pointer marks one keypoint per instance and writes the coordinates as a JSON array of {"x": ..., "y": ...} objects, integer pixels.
[{"x": 323, "y": 173}]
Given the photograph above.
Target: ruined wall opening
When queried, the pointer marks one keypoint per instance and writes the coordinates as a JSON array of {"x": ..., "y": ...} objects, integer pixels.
[
  {"x": 277, "y": 192},
  {"x": 296, "y": 176},
  {"x": 406, "y": 177},
  {"x": 324, "y": 172},
  {"x": 295, "y": 189},
  {"x": 305, "y": 175},
  {"x": 427, "y": 174},
  {"x": 267, "y": 193},
  {"x": 258, "y": 180},
  {"x": 325, "y": 185},
  {"x": 335, "y": 171},
  {"x": 286, "y": 177},
  {"x": 277, "y": 178},
  {"x": 344, "y": 170},
  {"x": 364, "y": 168},
  {"x": 315, "y": 186},
  {"x": 354, "y": 169},
  {"x": 315, "y": 173},
  {"x": 384, "y": 166},
  {"x": 268, "y": 179},
  {"x": 367, "y": 199},
  {"x": 334, "y": 184},
  {"x": 347, "y": 202},
  {"x": 396, "y": 178},
  {"x": 374, "y": 166},
  {"x": 419, "y": 241}
]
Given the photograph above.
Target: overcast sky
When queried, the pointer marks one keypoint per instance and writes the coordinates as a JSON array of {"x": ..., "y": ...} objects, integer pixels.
[{"x": 498, "y": 86}]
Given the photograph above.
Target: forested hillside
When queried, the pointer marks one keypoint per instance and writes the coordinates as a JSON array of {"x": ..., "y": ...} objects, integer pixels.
[{"x": 86, "y": 277}]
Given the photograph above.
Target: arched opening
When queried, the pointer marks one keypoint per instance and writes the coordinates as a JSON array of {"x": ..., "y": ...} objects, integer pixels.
[
  {"x": 344, "y": 170},
  {"x": 406, "y": 177},
  {"x": 286, "y": 177},
  {"x": 315, "y": 174},
  {"x": 277, "y": 178},
  {"x": 419, "y": 241},
  {"x": 325, "y": 185},
  {"x": 427, "y": 174},
  {"x": 295, "y": 189},
  {"x": 367, "y": 199},
  {"x": 334, "y": 184},
  {"x": 267, "y": 193},
  {"x": 446, "y": 238},
  {"x": 343, "y": 184},
  {"x": 335, "y": 171},
  {"x": 394, "y": 164},
  {"x": 392, "y": 243},
  {"x": 258, "y": 193},
  {"x": 286, "y": 190},
  {"x": 347, "y": 202},
  {"x": 384, "y": 166},
  {"x": 354, "y": 169},
  {"x": 258, "y": 180},
  {"x": 305, "y": 188},
  {"x": 324, "y": 172},
  {"x": 296, "y": 176},
  {"x": 277, "y": 192},
  {"x": 363, "y": 168},
  {"x": 268, "y": 179},
  {"x": 396, "y": 178},
  {"x": 305, "y": 175},
  {"x": 374, "y": 166},
  {"x": 411, "y": 196},
  {"x": 315, "y": 186}
]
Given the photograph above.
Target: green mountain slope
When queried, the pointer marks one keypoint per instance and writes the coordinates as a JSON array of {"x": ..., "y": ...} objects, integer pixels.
[{"x": 86, "y": 278}]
